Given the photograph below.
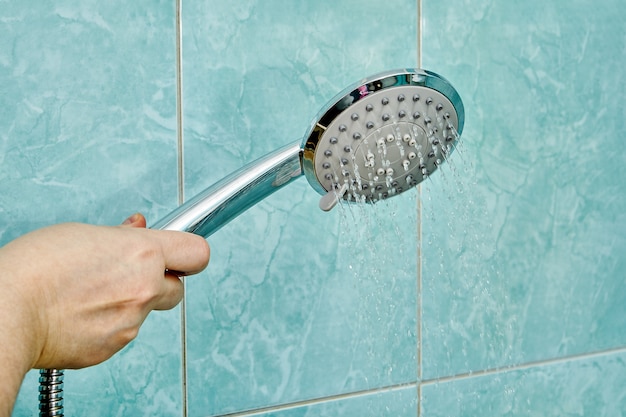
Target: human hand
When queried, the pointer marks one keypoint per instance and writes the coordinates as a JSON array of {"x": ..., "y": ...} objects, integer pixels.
[{"x": 79, "y": 293}]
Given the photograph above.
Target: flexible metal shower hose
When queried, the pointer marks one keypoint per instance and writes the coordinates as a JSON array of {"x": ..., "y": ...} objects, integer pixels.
[{"x": 50, "y": 393}]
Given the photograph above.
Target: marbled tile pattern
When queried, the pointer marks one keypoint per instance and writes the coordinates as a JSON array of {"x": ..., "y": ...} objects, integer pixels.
[
  {"x": 88, "y": 133},
  {"x": 297, "y": 304},
  {"x": 528, "y": 262},
  {"x": 584, "y": 387}
]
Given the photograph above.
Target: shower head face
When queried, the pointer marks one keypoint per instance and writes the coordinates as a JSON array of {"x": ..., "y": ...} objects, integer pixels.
[{"x": 382, "y": 136}]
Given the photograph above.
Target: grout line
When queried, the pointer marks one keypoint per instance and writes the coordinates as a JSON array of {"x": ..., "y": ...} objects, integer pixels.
[
  {"x": 419, "y": 399},
  {"x": 179, "y": 104},
  {"x": 419, "y": 33},
  {"x": 419, "y": 242},
  {"x": 181, "y": 192},
  {"x": 523, "y": 366},
  {"x": 297, "y": 404}
]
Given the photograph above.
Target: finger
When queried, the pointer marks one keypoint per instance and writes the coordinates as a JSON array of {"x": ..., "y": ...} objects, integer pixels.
[
  {"x": 171, "y": 293},
  {"x": 182, "y": 251}
]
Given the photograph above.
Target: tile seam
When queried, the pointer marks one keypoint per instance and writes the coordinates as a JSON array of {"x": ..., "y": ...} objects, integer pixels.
[
  {"x": 181, "y": 192},
  {"x": 321, "y": 400},
  {"x": 419, "y": 241},
  {"x": 179, "y": 105},
  {"x": 523, "y": 366}
]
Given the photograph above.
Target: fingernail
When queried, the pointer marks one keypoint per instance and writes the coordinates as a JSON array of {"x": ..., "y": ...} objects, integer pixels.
[{"x": 132, "y": 219}]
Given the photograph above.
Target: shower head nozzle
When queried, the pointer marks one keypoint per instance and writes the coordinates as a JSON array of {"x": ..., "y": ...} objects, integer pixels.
[
  {"x": 382, "y": 136},
  {"x": 375, "y": 140}
]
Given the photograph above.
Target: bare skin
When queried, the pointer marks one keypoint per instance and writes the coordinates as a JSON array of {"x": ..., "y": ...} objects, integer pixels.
[{"x": 73, "y": 295}]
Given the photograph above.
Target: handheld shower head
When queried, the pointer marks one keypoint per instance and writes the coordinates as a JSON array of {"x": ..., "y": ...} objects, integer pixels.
[
  {"x": 374, "y": 140},
  {"x": 382, "y": 136}
]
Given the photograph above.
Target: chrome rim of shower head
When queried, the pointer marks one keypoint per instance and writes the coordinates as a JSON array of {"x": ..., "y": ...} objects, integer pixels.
[{"x": 382, "y": 136}]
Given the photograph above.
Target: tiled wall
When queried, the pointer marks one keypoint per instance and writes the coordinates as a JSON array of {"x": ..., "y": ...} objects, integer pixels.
[
  {"x": 519, "y": 299},
  {"x": 529, "y": 309},
  {"x": 88, "y": 133}
]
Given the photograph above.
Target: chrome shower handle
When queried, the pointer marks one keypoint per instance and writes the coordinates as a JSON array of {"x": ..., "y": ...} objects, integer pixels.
[{"x": 208, "y": 211}]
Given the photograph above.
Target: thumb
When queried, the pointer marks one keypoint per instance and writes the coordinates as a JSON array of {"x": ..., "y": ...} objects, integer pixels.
[{"x": 136, "y": 220}]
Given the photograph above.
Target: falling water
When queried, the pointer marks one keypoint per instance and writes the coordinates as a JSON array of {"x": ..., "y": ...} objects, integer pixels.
[
  {"x": 459, "y": 271},
  {"x": 381, "y": 252},
  {"x": 378, "y": 244}
]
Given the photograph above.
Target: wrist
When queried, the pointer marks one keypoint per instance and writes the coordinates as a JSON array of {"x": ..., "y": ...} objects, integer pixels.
[{"x": 18, "y": 342}]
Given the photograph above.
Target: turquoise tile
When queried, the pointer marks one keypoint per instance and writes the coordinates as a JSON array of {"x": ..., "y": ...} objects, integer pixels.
[
  {"x": 401, "y": 402},
  {"x": 88, "y": 133},
  {"x": 524, "y": 239},
  {"x": 293, "y": 305},
  {"x": 592, "y": 386},
  {"x": 288, "y": 323},
  {"x": 141, "y": 380},
  {"x": 87, "y": 117}
]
